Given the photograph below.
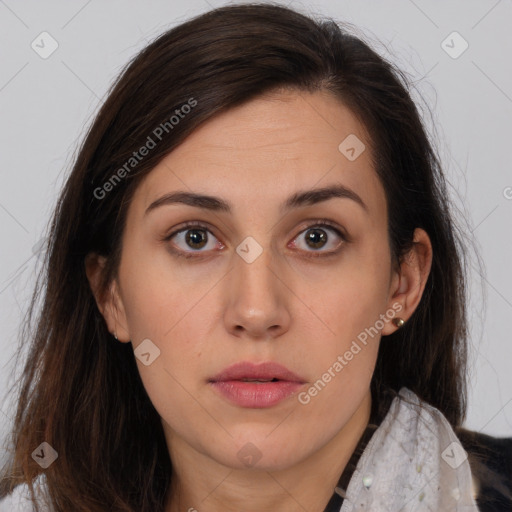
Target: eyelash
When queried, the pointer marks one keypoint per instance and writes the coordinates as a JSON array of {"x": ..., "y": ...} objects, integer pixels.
[{"x": 319, "y": 223}]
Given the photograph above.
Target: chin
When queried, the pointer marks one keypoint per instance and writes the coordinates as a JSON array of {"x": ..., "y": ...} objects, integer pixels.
[{"x": 261, "y": 452}]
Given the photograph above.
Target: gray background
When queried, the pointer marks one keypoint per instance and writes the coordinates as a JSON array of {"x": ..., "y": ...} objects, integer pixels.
[{"x": 46, "y": 105}]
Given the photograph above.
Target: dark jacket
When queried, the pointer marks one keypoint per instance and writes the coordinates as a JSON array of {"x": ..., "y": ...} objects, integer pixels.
[{"x": 490, "y": 459}]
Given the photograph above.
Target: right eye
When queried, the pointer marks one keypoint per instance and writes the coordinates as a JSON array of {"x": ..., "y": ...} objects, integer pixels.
[{"x": 192, "y": 238}]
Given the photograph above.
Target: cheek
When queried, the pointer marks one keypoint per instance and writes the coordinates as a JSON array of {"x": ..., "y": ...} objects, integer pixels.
[
  {"x": 353, "y": 295},
  {"x": 176, "y": 376},
  {"x": 163, "y": 304},
  {"x": 158, "y": 292}
]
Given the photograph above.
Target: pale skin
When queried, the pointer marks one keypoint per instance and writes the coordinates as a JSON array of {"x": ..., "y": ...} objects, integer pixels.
[{"x": 213, "y": 309}]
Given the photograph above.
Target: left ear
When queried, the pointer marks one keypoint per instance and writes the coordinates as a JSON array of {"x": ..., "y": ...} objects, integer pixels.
[{"x": 408, "y": 283}]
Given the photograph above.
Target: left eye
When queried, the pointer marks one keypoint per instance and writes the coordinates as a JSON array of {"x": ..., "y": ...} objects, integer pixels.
[{"x": 316, "y": 237}]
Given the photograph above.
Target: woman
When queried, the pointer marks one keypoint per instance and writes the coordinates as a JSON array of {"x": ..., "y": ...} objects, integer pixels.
[{"x": 254, "y": 297}]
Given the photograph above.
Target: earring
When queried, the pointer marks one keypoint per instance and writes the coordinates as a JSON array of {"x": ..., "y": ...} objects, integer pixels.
[
  {"x": 398, "y": 322},
  {"x": 115, "y": 335}
]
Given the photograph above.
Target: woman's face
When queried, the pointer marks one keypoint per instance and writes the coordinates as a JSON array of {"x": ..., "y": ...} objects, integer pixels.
[{"x": 259, "y": 279}]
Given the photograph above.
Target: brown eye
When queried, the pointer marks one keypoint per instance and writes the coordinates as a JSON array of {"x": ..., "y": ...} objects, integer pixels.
[
  {"x": 192, "y": 238},
  {"x": 196, "y": 238},
  {"x": 319, "y": 236},
  {"x": 316, "y": 238}
]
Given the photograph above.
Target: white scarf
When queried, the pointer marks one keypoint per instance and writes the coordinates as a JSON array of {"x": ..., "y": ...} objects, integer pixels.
[{"x": 413, "y": 462}]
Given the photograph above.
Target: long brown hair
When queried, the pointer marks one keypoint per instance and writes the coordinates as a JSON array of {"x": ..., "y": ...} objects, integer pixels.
[{"x": 80, "y": 390}]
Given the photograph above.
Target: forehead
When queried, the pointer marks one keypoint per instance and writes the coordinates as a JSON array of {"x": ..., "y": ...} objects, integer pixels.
[{"x": 268, "y": 148}]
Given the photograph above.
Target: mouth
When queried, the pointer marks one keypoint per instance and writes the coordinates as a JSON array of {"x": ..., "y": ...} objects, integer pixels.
[
  {"x": 259, "y": 380},
  {"x": 256, "y": 385},
  {"x": 262, "y": 372}
]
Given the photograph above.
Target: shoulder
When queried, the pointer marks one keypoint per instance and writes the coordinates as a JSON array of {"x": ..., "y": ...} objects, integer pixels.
[{"x": 490, "y": 459}]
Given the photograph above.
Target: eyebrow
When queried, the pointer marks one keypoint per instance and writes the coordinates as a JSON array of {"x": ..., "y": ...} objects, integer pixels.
[{"x": 297, "y": 200}]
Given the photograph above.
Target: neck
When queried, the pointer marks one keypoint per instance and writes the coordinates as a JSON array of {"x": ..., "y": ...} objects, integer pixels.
[{"x": 201, "y": 483}]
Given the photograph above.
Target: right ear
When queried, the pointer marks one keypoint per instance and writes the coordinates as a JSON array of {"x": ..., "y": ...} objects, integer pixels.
[{"x": 109, "y": 303}]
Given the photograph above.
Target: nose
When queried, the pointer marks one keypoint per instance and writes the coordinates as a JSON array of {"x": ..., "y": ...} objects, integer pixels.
[{"x": 258, "y": 298}]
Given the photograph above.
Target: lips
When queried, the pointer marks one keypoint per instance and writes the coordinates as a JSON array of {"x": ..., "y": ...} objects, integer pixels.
[
  {"x": 256, "y": 385},
  {"x": 257, "y": 372}
]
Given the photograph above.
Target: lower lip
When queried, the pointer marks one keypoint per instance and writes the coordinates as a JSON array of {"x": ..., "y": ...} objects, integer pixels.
[{"x": 254, "y": 394}]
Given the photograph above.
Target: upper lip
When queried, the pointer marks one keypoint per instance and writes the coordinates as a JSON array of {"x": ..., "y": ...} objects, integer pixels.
[{"x": 261, "y": 371}]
